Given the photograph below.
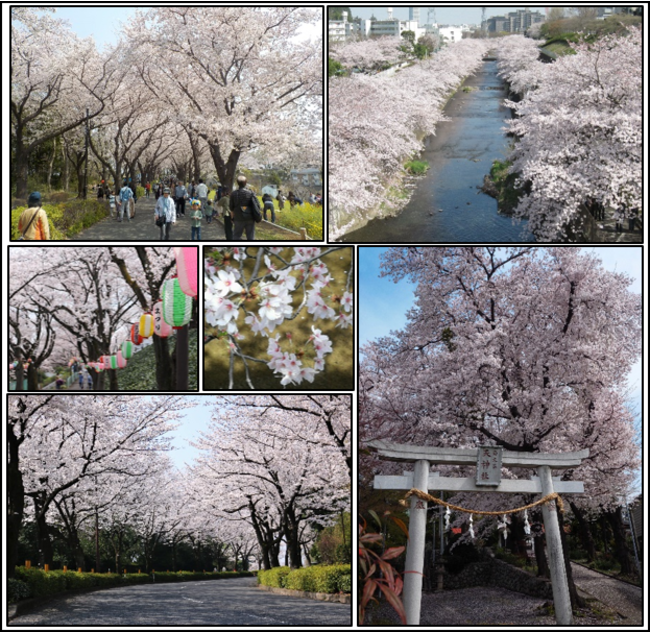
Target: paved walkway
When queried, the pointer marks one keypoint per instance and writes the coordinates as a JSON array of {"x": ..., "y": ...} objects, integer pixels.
[
  {"x": 142, "y": 227},
  {"x": 231, "y": 602},
  {"x": 622, "y": 597}
]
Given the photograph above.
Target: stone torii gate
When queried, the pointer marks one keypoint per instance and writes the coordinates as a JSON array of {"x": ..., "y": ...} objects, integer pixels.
[{"x": 488, "y": 461}]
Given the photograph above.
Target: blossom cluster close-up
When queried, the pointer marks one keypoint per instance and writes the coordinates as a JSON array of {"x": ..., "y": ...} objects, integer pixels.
[{"x": 289, "y": 296}]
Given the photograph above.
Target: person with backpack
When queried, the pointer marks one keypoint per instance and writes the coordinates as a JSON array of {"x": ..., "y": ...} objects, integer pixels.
[
  {"x": 245, "y": 208},
  {"x": 180, "y": 194},
  {"x": 33, "y": 223},
  {"x": 126, "y": 194},
  {"x": 89, "y": 381}
]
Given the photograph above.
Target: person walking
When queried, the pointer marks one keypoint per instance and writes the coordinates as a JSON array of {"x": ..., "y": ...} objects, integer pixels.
[
  {"x": 196, "y": 217},
  {"x": 241, "y": 205},
  {"x": 268, "y": 206},
  {"x": 147, "y": 189},
  {"x": 81, "y": 381},
  {"x": 125, "y": 197},
  {"x": 165, "y": 214},
  {"x": 33, "y": 223},
  {"x": 201, "y": 191},
  {"x": 224, "y": 205},
  {"x": 208, "y": 211},
  {"x": 180, "y": 194},
  {"x": 281, "y": 200},
  {"x": 89, "y": 381}
]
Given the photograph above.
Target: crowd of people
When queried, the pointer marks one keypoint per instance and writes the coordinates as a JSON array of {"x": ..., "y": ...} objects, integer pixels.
[{"x": 240, "y": 210}]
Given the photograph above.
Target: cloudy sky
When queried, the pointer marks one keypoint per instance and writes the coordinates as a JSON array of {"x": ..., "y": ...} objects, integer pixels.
[{"x": 444, "y": 15}]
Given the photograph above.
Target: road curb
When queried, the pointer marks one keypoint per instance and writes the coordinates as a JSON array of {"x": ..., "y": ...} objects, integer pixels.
[{"x": 331, "y": 597}]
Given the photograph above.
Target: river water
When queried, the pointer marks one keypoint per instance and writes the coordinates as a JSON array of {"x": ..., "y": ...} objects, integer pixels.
[{"x": 446, "y": 205}]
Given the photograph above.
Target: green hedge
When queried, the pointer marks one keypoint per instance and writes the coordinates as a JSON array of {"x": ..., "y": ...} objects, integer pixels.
[
  {"x": 325, "y": 579},
  {"x": 34, "y": 582}
]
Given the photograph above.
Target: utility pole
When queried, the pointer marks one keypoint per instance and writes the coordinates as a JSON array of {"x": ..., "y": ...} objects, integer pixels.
[{"x": 484, "y": 22}]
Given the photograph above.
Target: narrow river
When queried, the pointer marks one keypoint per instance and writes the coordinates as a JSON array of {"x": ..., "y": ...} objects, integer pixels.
[{"x": 446, "y": 205}]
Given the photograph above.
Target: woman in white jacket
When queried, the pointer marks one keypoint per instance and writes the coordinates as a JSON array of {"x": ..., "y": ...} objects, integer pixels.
[{"x": 165, "y": 214}]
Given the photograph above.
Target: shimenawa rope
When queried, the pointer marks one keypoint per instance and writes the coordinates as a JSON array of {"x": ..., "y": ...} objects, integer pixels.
[{"x": 424, "y": 496}]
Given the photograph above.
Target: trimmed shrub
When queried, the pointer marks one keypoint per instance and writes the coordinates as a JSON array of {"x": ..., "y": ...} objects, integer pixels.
[
  {"x": 37, "y": 583},
  {"x": 275, "y": 577},
  {"x": 17, "y": 589},
  {"x": 325, "y": 579},
  {"x": 302, "y": 579}
]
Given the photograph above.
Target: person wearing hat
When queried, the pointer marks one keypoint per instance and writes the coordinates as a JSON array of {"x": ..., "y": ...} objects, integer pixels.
[
  {"x": 165, "y": 214},
  {"x": 196, "y": 217},
  {"x": 33, "y": 223}
]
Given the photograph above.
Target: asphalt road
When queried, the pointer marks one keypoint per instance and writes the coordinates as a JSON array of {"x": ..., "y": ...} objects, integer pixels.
[{"x": 215, "y": 602}]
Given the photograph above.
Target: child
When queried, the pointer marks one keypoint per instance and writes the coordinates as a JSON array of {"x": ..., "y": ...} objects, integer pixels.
[
  {"x": 209, "y": 210},
  {"x": 197, "y": 216}
]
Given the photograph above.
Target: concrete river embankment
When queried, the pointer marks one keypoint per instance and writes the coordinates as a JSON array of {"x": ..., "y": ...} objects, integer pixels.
[{"x": 447, "y": 205}]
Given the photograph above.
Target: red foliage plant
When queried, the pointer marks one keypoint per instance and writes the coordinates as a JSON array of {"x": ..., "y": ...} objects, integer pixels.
[{"x": 377, "y": 573}]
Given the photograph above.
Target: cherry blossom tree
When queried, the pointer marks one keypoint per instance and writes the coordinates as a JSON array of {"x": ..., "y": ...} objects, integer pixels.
[
  {"x": 265, "y": 295},
  {"x": 370, "y": 54},
  {"x": 244, "y": 459},
  {"x": 525, "y": 348},
  {"x": 238, "y": 78},
  {"x": 376, "y": 125},
  {"x": 579, "y": 135},
  {"x": 54, "y": 77},
  {"x": 55, "y": 443}
]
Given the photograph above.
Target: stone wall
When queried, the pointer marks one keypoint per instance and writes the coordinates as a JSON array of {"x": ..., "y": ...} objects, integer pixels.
[{"x": 501, "y": 575}]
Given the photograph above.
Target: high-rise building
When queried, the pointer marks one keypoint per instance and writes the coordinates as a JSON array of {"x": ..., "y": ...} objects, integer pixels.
[{"x": 414, "y": 14}]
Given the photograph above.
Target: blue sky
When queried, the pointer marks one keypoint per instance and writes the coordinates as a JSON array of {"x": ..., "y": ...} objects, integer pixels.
[
  {"x": 102, "y": 23},
  {"x": 444, "y": 15},
  {"x": 195, "y": 421}
]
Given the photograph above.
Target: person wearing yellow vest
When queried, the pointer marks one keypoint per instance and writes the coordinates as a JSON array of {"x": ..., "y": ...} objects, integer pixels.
[{"x": 33, "y": 224}]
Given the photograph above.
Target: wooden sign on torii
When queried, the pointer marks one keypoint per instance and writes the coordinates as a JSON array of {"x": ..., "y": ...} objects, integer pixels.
[{"x": 420, "y": 479}]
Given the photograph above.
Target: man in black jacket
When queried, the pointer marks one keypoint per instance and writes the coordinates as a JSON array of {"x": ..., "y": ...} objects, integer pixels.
[{"x": 241, "y": 205}]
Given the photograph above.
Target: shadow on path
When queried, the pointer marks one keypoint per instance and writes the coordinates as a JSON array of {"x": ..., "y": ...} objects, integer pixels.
[{"x": 214, "y": 602}]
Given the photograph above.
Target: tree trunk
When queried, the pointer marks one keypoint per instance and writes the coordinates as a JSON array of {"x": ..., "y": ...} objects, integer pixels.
[
  {"x": 226, "y": 170},
  {"x": 21, "y": 159},
  {"x": 540, "y": 551},
  {"x": 181, "y": 351},
  {"x": 49, "y": 169},
  {"x": 32, "y": 377},
  {"x": 46, "y": 553},
  {"x": 164, "y": 378},
  {"x": 15, "y": 504},
  {"x": 585, "y": 531},
  {"x": 621, "y": 551},
  {"x": 20, "y": 376},
  {"x": 113, "y": 379}
]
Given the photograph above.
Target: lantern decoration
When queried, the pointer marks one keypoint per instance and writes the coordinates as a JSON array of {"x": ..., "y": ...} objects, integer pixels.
[
  {"x": 146, "y": 325},
  {"x": 187, "y": 265},
  {"x": 121, "y": 361},
  {"x": 100, "y": 367},
  {"x": 177, "y": 306},
  {"x": 112, "y": 362},
  {"x": 136, "y": 338},
  {"x": 160, "y": 327},
  {"x": 127, "y": 349}
]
